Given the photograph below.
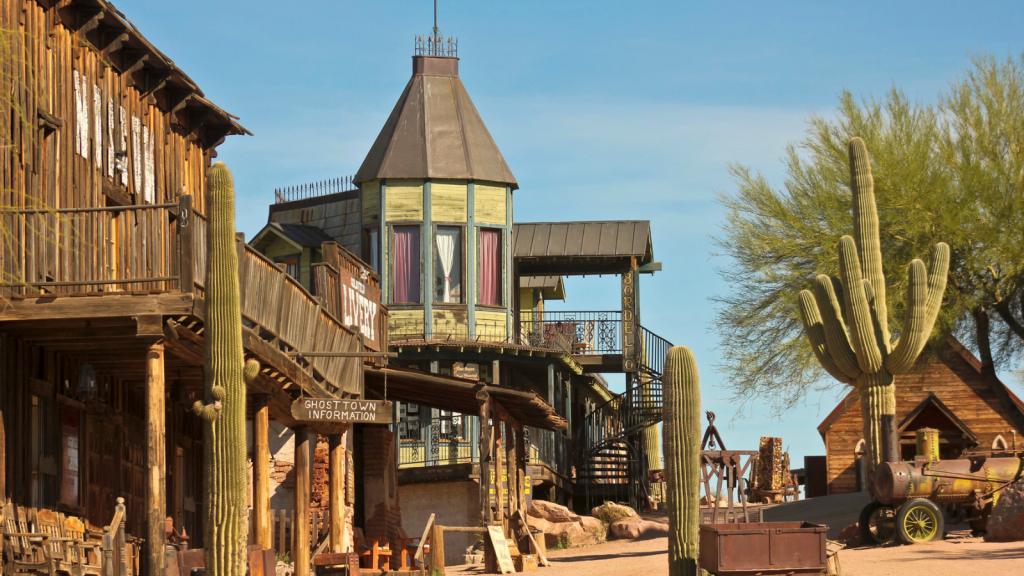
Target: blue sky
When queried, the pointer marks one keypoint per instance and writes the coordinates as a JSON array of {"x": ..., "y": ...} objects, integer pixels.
[{"x": 603, "y": 110}]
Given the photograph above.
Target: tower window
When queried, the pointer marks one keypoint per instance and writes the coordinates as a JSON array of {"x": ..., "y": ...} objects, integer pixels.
[
  {"x": 406, "y": 272},
  {"x": 448, "y": 264},
  {"x": 490, "y": 267},
  {"x": 371, "y": 248}
]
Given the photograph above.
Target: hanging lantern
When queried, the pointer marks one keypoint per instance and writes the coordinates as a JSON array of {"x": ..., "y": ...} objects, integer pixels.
[{"x": 86, "y": 382}]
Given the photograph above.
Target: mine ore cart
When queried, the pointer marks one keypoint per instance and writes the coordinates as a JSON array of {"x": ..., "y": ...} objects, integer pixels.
[{"x": 913, "y": 499}]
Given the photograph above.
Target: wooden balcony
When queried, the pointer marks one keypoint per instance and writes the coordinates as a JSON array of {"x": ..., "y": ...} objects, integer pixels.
[{"x": 119, "y": 261}]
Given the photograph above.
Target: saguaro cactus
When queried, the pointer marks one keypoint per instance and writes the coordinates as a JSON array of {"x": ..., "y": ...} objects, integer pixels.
[
  {"x": 681, "y": 430},
  {"x": 226, "y": 374},
  {"x": 846, "y": 319}
]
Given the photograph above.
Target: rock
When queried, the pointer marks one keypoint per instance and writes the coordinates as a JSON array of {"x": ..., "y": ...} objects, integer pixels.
[
  {"x": 594, "y": 530},
  {"x": 570, "y": 533},
  {"x": 1006, "y": 523},
  {"x": 551, "y": 512},
  {"x": 283, "y": 569},
  {"x": 850, "y": 535},
  {"x": 610, "y": 512},
  {"x": 634, "y": 527},
  {"x": 722, "y": 501}
]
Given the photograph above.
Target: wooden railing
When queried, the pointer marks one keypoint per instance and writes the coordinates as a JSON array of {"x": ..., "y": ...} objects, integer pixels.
[{"x": 89, "y": 250}]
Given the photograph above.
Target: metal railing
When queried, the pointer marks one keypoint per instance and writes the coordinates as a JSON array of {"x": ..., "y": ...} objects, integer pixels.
[
  {"x": 584, "y": 332},
  {"x": 435, "y": 45},
  {"x": 314, "y": 189}
]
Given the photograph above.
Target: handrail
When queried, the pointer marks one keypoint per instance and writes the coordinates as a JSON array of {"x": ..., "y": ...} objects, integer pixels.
[
  {"x": 89, "y": 209},
  {"x": 426, "y": 530}
]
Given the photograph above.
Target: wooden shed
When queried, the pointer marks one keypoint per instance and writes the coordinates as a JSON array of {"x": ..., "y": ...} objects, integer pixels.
[{"x": 950, "y": 393}]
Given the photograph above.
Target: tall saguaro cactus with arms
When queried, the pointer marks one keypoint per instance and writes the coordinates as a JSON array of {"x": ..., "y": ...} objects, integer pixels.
[
  {"x": 226, "y": 374},
  {"x": 846, "y": 319}
]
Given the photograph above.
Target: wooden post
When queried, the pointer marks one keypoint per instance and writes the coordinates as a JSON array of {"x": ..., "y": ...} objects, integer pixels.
[
  {"x": 511, "y": 469},
  {"x": 437, "y": 549},
  {"x": 337, "y": 491},
  {"x": 499, "y": 507},
  {"x": 156, "y": 504},
  {"x": 187, "y": 224},
  {"x": 3, "y": 458},
  {"x": 521, "y": 486},
  {"x": 486, "y": 515},
  {"x": 261, "y": 472},
  {"x": 300, "y": 523}
]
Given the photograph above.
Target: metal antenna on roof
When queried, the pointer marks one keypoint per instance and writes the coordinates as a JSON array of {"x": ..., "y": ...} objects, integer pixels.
[{"x": 435, "y": 20}]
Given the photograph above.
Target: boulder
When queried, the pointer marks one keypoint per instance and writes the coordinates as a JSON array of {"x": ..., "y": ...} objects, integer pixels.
[
  {"x": 1006, "y": 523},
  {"x": 610, "y": 512},
  {"x": 722, "y": 501},
  {"x": 635, "y": 527},
  {"x": 571, "y": 532},
  {"x": 551, "y": 512},
  {"x": 594, "y": 530},
  {"x": 283, "y": 569}
]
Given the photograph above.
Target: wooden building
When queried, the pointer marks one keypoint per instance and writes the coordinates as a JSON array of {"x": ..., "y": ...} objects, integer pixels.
[
  {"x": 949, "y": 394},
  {"x": 430, "y": 211}
]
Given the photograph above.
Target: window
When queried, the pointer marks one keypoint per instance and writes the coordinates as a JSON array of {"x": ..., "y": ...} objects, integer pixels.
[
  {"x": 44, "y": 445},
  {"x": 291, "y": 265},
  {"x": 371, "y": 248},
  {"x": 448, "y": 264},
  {"x": 406, "y": 272},
  {"x": 490, "y": 267},
  {"x": 70, "y": 440}
]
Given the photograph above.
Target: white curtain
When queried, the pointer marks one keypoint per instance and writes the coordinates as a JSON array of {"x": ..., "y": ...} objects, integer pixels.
[{"x": 446, "y": 239}]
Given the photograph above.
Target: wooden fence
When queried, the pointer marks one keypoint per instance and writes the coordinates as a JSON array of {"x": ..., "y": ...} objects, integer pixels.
[{"x": 282, "y": 523}]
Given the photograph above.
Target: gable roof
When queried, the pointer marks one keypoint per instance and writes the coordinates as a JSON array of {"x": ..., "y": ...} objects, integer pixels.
[
  {"x": 598, "y": 247},
  {"x": 551, "y": 287},
  {"x": 1010, "y": 402},
  {"x": 300, "y": 235},
  {"x": 932, "y": 400},
  {"x": 434, "y": 131}
]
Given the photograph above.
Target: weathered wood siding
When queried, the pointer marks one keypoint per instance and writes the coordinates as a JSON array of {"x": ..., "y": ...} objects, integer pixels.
[
  {"x": 448, "y": 201},
  {"x": 403, "y": 324},
  {"x": 491, "y": 325},
  {"x": 339, "y": 219},
  {"x": 490, "y": 203},
  {"x": 404, "y": 200},
  {"x": 371, "y": 201},
  {"x": 451, "y": 321},
  {"x": 953, "y": 380}
]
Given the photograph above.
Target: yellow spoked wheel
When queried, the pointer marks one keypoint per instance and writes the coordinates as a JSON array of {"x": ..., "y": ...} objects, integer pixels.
[{"x": 919, "y": 520}]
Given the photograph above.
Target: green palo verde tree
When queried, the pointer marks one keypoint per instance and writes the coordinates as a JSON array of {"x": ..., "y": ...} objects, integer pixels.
[
  {"x": 681, "y": 430},
  {"x": 226, "y": 373},
  {"x": 846, "y": 320}
]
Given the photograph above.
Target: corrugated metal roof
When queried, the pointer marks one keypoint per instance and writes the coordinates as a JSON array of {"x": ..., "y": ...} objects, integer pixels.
[
  {"x": 305, "y": 236},
  {"x": 626, "y": 238},
  {"x": 435, "y": 131}
]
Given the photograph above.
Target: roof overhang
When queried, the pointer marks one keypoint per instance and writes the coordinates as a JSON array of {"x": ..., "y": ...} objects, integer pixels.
[
  {"x": 268, "y": 234},
  {"x": 459, "y": 395},
  {"x": 551, "y": 287},
  {"x": 579, "y": 248},
  {"x": 932, "y": 400}
]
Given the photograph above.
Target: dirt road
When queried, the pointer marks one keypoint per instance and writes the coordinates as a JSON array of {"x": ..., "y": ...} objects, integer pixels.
[{"x": 959, "y": 555}]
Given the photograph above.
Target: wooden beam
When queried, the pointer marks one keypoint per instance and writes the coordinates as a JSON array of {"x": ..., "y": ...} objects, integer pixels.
[
  {"x": 499, "y": 507},
  {"x": 261, "y": 472},
  {"x": 512, "y": 468},
  {"x": 156, "y": 504},
  {"x": 300, "y": 526},
  {"x": 337, "y": 491},
  {"x": 521, "y": 486},
  {"x": 486, "y": 515},
  {"x": 106, "y": 306},
  {"x": 504, "y": 416}
]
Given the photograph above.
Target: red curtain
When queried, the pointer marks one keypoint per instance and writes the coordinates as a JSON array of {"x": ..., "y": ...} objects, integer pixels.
[
  {"x": 490, "y": 267},
  {"x": 407, "y": 264}
]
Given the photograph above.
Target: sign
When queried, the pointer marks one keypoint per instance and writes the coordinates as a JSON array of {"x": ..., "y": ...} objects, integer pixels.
[
  {"x": 657, "y": 476},
  {"x": 500, "y": 545},
  {"x": 334, "y": 410},
  {"x": 469, "y": 370},
  {"x": 630, "y": 346},
  {"x": 527, "y": 486},
  {"x": 360, "y": 305}
]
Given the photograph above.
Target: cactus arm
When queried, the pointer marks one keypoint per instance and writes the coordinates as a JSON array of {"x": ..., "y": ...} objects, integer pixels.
[
  {"x": 815, "y": 331},
  {"x": 682, "y": 434},
  {"x": 834, "y": 327},
  {"x": 924, "y": 297},
  {"x": 837, "y": 287},
  {"x": 862, "y": 326},
  {"x": 865, "y": 231}
]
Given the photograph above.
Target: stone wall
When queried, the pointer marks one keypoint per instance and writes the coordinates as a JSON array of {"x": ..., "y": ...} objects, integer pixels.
[{"x": 453, "y": 503}]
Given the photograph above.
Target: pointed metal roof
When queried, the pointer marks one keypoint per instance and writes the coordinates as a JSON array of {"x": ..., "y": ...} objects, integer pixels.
[{"x": 435, "y": 131}]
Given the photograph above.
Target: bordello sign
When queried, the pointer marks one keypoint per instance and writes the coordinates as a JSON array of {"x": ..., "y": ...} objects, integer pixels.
[{"x": 334, "y": 410}]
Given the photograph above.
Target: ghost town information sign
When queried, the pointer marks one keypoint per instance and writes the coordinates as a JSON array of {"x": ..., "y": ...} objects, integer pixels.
[{"x": 334, "y": 410}]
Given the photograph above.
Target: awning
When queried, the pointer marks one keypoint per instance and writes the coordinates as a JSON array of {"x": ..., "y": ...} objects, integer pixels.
[{"x": 458, "y": 395}]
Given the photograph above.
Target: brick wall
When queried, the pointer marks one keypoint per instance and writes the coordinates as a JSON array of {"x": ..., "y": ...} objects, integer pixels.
[
  {"x": 953, "y": 380},
  {"x": 380, "y": 485}
]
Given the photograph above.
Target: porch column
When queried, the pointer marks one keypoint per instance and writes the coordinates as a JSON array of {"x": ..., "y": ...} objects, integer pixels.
[
  {"x": 521, "y": 486},
  {"x": 261, "y": 471},
  {"x": 300, "y": 526},
  {"x": 511, "y": 468},
  {"x": 337, "y": 491},
  {"x": 486, "y": 515},
  {"x": 156, "y": 503},
  {"x": 498, "y": 468}
]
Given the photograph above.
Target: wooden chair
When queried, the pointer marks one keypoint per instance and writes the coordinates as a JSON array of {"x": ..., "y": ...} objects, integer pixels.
[
  {"x": 60, "y": 548},
  {"x": 372, "y": 551},
  {"x": 25, "y": 552},
  {"x": 86, "y": 553},
  {"x": 407, "y": 550}
]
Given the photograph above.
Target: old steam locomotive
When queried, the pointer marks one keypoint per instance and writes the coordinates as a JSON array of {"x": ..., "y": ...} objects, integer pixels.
[{"x": 912, "y": 499}]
